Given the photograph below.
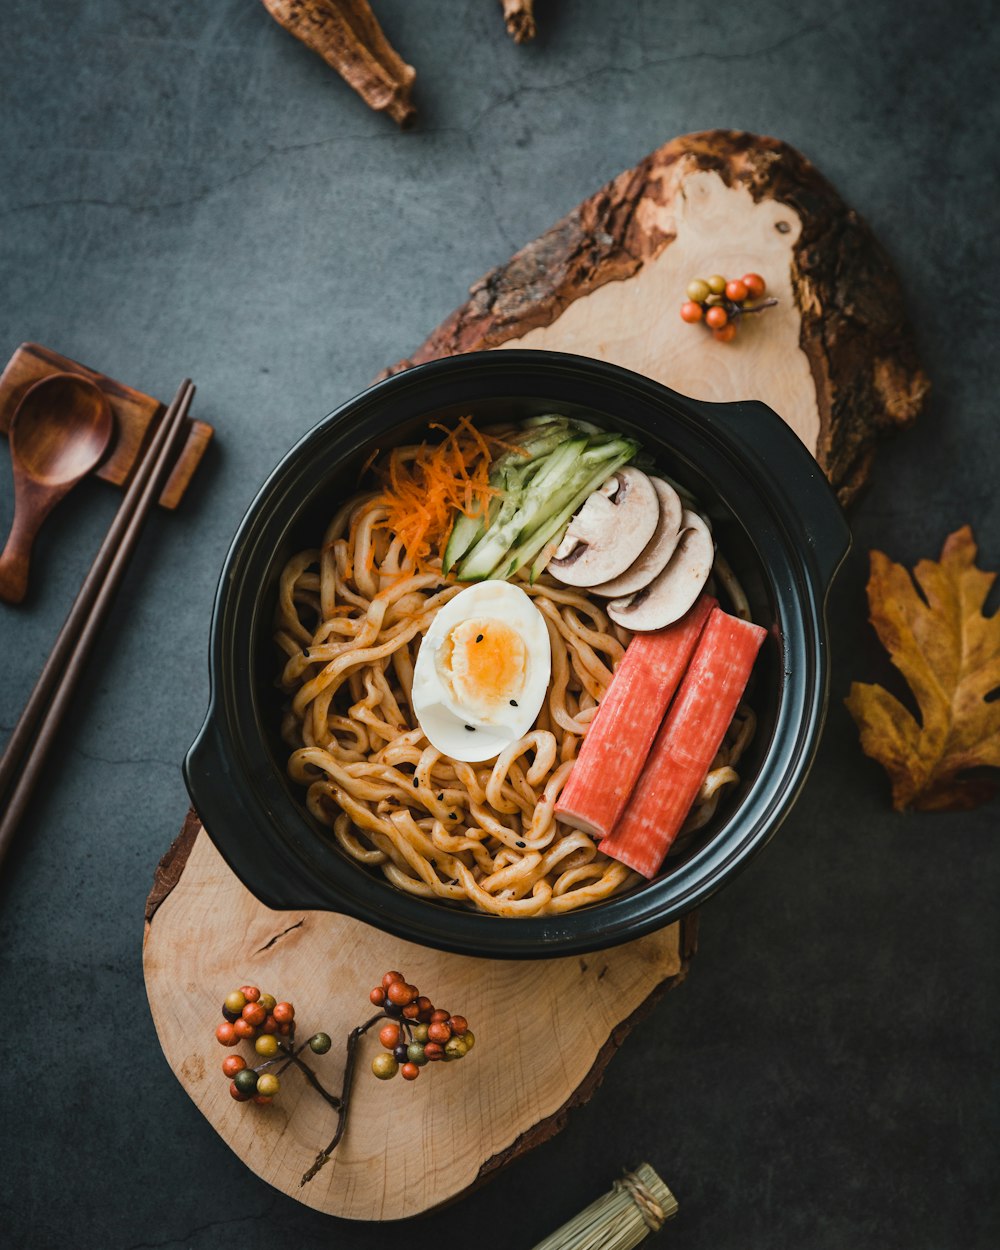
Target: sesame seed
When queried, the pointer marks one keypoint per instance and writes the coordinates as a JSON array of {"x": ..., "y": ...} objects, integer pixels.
[
  {"x": 416, "y": 783},
  {"x": 479, "y": 637},
  {"x": 522, "y": 845},
  {"x": 513, "y": 703},
  {"x": 471, "y": 728}
]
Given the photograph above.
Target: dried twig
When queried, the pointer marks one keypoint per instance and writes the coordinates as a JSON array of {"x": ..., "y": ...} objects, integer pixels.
[
  {"x": 520, "y": 18},
  {"x": 346, "y": 34}
]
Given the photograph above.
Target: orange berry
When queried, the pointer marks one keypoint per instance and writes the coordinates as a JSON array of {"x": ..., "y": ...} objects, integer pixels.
[
  {"x": 737, "y": 291},
  {"x": 409, "y": 1071},
  {"x": 691, "y": 312},
  {"x": 458, "y": 1025},
  {"x": 401, "y": 994},
  {"x": 438, "y": 1031},
  {"x": 725, "y": 334},
  {"x": 755, "y": 285},
  {"x": 250, "y": 992},
  {"x": 434, "y": 1051},
  {"x": 226, "y": 1033},
  {"x": 270, "y": 1025},
  {"x": 389, "y": 977},
  {"x": 716, "y": 317},
  {"x": 261, "y": 1100},
  {"x": 388, "y": 1035},
  {"x": 243, "y": 1028},
  {"x": 283, "y": 1012},
  {"x": 235, "y": 1093},
  {"x": 233, "y": 1064},
  {"x": 254, "y": 1014},
  {"x": 440, "y": 1015},
  {"x": 377, "y": 996}
]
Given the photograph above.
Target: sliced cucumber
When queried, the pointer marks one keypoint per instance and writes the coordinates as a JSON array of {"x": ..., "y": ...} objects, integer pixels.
[{"x": 524, "y": 506}]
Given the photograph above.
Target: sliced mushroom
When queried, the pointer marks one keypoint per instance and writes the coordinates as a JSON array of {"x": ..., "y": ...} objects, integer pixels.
[
  {"x": 609, "y": 532},
  {"x": 669, "y": 595},
  {"x": 658, "y": 550}
]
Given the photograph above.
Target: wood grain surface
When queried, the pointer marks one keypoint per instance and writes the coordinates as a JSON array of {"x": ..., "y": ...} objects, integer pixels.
[
  {"x": 836, "y": 359},
  {"x": 408, "y": 1146}
]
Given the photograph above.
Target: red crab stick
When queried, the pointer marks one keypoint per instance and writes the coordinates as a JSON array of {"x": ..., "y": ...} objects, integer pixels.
[
  {"x": 687, "y": 743},
  {"x": 626, "y": 722}
]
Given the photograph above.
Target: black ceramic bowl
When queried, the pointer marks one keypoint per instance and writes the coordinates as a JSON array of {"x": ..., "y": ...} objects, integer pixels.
[{"x": 774, "y": 516}]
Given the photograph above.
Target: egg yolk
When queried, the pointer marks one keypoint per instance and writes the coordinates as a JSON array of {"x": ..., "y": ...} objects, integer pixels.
[{"x": 484, "y": 664}]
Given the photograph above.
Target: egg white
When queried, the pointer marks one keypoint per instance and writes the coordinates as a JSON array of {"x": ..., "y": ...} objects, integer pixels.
[{"x": 465, "y": 733}]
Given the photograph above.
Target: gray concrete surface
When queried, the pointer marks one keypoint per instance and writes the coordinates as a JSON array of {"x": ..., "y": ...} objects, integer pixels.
[{"x": 186, "y": 190}]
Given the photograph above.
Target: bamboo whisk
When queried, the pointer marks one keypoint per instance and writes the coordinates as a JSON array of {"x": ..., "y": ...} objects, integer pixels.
[{"x": 638, "y": 1204}]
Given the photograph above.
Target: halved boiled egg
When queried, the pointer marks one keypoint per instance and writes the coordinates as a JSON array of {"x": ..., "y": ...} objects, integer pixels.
[{"x": 482, "y": 672}]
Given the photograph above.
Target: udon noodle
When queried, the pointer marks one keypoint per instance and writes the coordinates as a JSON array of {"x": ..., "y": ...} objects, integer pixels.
[{"x": 350, "y": 619}]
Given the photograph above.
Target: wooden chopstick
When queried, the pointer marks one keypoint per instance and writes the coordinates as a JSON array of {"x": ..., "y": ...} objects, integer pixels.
[{"x": 36, "y": 728}]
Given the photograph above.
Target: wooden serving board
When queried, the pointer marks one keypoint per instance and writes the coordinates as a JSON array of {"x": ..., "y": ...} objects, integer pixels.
[{"x": 836, "y": 360}]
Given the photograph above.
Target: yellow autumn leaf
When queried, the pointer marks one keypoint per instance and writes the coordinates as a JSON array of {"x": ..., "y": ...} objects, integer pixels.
[{"x": 949, "y": 653}]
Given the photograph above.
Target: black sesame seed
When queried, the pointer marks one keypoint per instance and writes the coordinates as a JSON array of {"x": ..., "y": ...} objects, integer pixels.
[
  {"x": 521, "y": 845},
  {"x": 416, "y": 783},
  {"x": 471, "y": 728},
  {"x": 479, "y": 637},
  {"x": 441, "y": 798},
  {"x": 454, "y": 815},
  {"x": 513, "y": 703}
]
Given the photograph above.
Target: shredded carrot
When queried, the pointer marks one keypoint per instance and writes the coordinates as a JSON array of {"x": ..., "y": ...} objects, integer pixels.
[{"x": 424, "y": 487}]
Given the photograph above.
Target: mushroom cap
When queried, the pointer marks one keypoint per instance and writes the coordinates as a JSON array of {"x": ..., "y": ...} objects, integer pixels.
[
  {"x": 669, "y": 595},
  {"x": 654, "y": 556},
  {"x": 609, "y": 532}
]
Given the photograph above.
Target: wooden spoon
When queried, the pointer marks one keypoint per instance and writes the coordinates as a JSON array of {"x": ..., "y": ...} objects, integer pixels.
[{"x": 59, "y": 432}]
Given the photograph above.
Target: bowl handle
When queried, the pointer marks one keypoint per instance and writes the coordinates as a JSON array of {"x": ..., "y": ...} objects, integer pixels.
[
  {"x": 235, "y": 828},
  {"x": 807, "y": 495}
]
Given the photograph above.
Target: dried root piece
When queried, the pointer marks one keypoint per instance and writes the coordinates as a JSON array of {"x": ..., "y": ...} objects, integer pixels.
[
  {"x": 346, "y": 34},
  {"x": 520, "y": 18}
]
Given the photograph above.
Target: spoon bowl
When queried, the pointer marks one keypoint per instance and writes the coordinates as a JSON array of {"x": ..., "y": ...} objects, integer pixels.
[{"x": 58, "y": 434}]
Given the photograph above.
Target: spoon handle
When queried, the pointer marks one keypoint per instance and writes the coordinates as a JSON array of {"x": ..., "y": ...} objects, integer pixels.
[{"x": 32, "y": 504}]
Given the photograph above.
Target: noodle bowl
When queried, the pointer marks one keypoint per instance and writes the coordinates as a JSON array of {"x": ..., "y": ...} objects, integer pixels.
[{"x": 350, "y": 619}]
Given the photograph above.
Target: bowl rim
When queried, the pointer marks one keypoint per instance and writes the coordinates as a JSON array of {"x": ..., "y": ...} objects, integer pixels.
[{"x": 286, "y": 842}]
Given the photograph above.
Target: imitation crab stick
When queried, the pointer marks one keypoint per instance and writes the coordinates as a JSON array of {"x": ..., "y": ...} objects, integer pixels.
[
  {"x": 687, "y": 743},
  {"x": 617, "y": 743}
]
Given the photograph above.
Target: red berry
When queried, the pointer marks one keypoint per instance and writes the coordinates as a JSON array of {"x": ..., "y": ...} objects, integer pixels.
[
  {"x": 250, "y": 992},
  {"x": 691, "y": 312},
  {"x": 235, "y": 1093},
  {"x": 401, "y": 994},
  {"x": 254, "y": 1013},
  {"x": 285, "y": 1029},
  {"x": 716, "y": 317},
  {"x": 411, "y": 1011},
  {"x": 737, "y": 290},
  {"x": 440, "y": 1015},
  {"x": 458, "y": 1025},
  {"x": 725, "y": 334},
  {"x": 433, "y": 1051},
  {"x": 261, "y": 1100},
  {"x": 755, "y": 285},
  {"x": 426, "y": 1007},
  {"x": 438, "y": 1031},
  {"x": 226, "y": 1033},
  {"x": 388, "y": 1035},
  {"x": 284, "y": 1013},
  {"x": 270, "y": 1025},
  {"x": 243, "y": 1028},
  {"x": 377, "y": 996},
  {"x": 233, "y": 1064},
  {"x": 409, "y": 1071},
  {"x": 389, "y": 977}
]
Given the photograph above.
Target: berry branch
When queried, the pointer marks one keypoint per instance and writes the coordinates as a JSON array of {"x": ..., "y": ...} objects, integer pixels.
[
  {"x": 415, "y": 1033},
  {"x": 721, "y": 303}
]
